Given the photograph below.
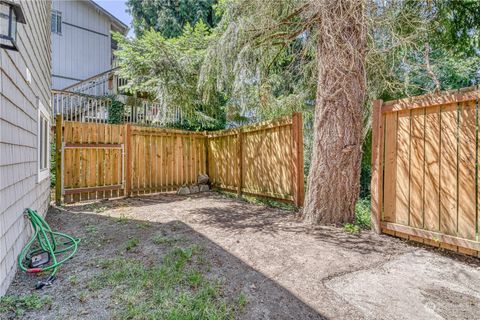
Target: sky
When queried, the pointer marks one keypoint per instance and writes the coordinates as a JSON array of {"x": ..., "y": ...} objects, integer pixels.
[{"x": 118, "y": 8}]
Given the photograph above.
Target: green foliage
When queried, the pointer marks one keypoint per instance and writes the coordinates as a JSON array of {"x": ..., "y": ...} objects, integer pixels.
[
  {"x": 362, "y": 217},
  {"x": 131, "y": 244},
  {"x": 169, "y": 19},
  {"x": 116, "y": 111},
  {"x": 177, "y": 288},
  {"x": 53, "y": 164},
  {"x": 18, "y": 305},
  {"x": 168, "y": 69}
]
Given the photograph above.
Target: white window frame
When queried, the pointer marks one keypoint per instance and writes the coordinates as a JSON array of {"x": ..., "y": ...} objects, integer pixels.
[
  {"x": 43, "y": 115},
  {"x": 55, "y": 22}
]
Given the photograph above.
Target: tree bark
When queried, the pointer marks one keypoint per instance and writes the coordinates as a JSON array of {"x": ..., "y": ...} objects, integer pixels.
[{"x": 334, "y": 177}]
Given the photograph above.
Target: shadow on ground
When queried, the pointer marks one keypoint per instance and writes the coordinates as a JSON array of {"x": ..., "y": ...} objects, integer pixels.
[{"x": 105, "y": 237}]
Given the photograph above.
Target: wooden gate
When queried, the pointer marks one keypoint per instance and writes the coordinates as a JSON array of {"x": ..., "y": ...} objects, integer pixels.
[
  {"x": 92, "y": 157},
  {"x": 425, "y": 169}
]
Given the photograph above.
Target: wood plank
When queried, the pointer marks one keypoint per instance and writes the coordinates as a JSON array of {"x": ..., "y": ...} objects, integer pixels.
[
  {"x": 377, "y": 166},
  {"x": 402, "y": 188},
  {"x": 76, "y": 137},
  {"x": 466, "y": 170},
  {"x": 448, "y": 170},
  {"x": 432, "y": 169},
  {"x": 58, "y": 159},
  {"x": 68, "y": 158},
  {"x": 92, "y": 174},
  {"x": 417, "y": 157},
  {"x": 433, "y": 236}
]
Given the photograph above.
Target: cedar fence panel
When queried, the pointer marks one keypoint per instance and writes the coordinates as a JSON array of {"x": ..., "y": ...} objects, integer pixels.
[
  {"x": 99, "y": 160},
  {"x": 425, "y": 169},
  {"x": 262, "y": 160}
]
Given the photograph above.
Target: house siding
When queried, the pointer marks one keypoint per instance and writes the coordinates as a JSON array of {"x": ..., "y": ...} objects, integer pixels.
[
  {"x": 84, "y": 47},
  {"x": 19, "y": 98}
]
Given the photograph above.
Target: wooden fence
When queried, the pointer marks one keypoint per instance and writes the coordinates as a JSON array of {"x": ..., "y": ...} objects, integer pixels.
[
  {"x": 96, "y": 160},
  {"x": 425, "y": 169},
  {"x": 265, "y": 159}
]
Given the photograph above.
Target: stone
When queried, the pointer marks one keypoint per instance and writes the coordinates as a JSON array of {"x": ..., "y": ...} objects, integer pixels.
[
  {"x": 183, "y": 191},
  {"x": 194, "y": 189},
  {"x": 204, "y": 187},
  {"x": 202, "y": 179}
]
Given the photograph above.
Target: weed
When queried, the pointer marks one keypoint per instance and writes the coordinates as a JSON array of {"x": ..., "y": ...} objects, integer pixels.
[
  {"x": 242, "y": 301},
  {"x": 351, "y": 228},
  {"x": 91, "y": 229},
  {"x": 174, "y": 289},
  {"x": 362, "y": 213},
  {"x": 131, "y": 244},
  {"x": 161, "y": 239},
  {"x": 18, "y": 305},
  {"x": 122, "y": 219},
  {"x": 73, "y": 280},
  {"x": 83, "y": 297},
  {"x": 144, "y": 225}
]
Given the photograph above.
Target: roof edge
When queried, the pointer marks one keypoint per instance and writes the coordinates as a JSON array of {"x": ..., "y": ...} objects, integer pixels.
[{"x": 114, "y": 19}]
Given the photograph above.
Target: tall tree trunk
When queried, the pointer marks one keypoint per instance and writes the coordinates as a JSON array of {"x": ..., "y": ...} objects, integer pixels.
[{"x": 334, "y": 177}]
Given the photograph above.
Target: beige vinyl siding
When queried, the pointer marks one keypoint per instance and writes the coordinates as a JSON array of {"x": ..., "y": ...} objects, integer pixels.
[{"x": 19, "y": 188}]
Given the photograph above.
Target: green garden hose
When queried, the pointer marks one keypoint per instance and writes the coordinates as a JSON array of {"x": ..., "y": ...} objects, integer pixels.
[{"x": 48, "y": 241}]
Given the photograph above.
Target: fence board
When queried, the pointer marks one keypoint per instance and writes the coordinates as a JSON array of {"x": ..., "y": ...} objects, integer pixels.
[
  {"x": 466, "y": 170},
  {"x": 403, "y": 168},
  {"x": 448, "y": 170},
  {"x": 432, "y": 169},
  {"x": 417, "y": 158},
  {"x": 390, "y": 167}
]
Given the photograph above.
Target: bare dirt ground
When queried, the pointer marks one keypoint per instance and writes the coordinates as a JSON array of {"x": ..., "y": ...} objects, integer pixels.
[{"x": 285, "y": 269}]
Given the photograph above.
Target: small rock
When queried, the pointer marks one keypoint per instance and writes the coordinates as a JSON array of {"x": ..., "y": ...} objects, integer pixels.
[
  {"x": 183, "y": 191},
  {"x": 204, "y": 187},
  {"x": 202, "y": 179},
  {"x": 194, "y": 189}
]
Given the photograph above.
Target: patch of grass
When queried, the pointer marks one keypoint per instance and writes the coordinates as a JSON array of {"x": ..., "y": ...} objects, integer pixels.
[
  {"x": 131, "y": 244},
  {"x": 144, "y": 225},
  {"x": 362, "y": 217},
  {"x": 122, "y": 219},
  {"x": 161, "y": 239},
  {"x": 91, "y": 229},
  {"x": 242, "y": 301},
  {"x": 260, "y": 201},
  {"x": 73, "y": 280},
  {"x": 18, "y": 305},
  {"x": 175, "y": 289}
]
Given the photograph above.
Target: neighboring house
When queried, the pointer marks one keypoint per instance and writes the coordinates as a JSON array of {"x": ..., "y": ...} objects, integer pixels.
[
  {"x": 82, "y": 45},
  {"x": 25, "y": 112}
]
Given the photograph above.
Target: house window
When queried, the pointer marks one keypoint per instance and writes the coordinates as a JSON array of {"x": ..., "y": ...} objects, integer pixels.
[
  {"x": 43, "y": 137},
  {"x": 56, "y": 22}
]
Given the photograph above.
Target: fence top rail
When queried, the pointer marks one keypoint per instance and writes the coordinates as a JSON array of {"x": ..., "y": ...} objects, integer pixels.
[
  {"x": 278, "y": 122},
  {"x": 152, "y": 130},
  {"x": 432, "y": 100}
]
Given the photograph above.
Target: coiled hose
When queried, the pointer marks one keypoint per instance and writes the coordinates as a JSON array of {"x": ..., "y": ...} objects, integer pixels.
[{"x": 48, "y": 241}]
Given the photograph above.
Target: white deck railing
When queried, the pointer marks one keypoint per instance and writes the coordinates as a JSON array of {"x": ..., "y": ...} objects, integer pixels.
[{"x": 82, "y": 107}]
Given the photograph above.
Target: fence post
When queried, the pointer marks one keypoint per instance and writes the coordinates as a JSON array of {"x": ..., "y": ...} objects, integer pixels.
[
  {"x": 297, "y": 153},
  {"x": 58, "y": 159},
  {"x": 239, "y": 162},
  {"x": 128, "y": 158},
  {"x": 376, "y": 186}
]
